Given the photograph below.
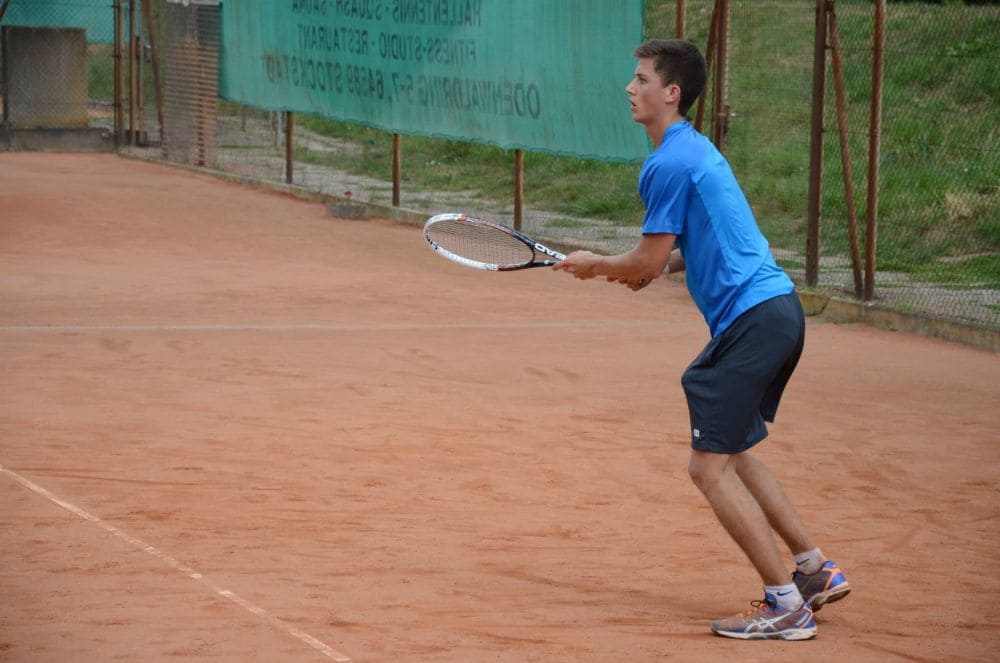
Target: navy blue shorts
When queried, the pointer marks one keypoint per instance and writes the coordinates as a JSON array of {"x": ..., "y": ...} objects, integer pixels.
[{"x": 736, "y": 383}]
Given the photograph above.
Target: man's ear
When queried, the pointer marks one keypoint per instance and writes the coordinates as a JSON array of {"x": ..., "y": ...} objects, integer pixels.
[{"x": 672, "y": 94}]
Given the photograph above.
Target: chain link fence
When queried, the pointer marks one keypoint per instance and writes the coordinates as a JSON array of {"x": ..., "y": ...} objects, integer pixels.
[
  {"x": 938, "y": 199},
  {"x": 938, "y": 244}
]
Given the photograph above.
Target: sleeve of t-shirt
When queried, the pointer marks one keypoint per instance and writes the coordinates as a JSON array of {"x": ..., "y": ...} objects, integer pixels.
[{"x": 665, "y": 192}]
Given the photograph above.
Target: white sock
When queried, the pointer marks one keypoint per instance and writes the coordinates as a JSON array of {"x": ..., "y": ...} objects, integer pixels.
[
  {"x": 809, "y": 562},
  {"x": 787, "y": 596}
]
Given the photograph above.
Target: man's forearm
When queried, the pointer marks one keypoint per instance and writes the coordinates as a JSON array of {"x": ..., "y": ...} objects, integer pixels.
[{"x": 629, "y": 266}]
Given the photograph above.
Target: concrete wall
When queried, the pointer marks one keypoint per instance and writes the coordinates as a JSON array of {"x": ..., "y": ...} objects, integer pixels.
[{"x": 46, "y": 74}]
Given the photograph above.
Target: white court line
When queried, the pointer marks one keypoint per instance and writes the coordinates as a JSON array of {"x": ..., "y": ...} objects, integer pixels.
[
  {"x": 337, "y": 326},
  {"x": 249, "y": 606}
]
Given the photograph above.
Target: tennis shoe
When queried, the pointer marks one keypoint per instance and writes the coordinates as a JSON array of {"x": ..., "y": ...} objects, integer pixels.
[
  {"x": 766, "y": 620},
  {"x": 825, "y": 586}
]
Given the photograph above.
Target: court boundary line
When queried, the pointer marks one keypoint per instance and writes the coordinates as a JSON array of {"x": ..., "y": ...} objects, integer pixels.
[
  {"x": 333, "y": 326},
  {"x": 229, "y": 595}
]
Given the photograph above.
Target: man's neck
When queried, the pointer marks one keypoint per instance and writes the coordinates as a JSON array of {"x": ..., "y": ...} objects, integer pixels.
[{"x": 658, "y": 130}]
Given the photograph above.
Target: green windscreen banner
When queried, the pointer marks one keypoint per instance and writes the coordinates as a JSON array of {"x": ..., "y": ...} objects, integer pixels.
[{"x": 540, "y": 75}]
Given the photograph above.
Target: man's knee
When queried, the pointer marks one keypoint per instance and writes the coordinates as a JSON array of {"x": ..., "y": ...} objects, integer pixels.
[{"x": 707, "y": 469}]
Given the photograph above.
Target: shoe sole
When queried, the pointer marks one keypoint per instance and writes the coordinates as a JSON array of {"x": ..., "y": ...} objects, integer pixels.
[
  {"x": 787, "y": 634},
  {"x": 831, "y": 596}
]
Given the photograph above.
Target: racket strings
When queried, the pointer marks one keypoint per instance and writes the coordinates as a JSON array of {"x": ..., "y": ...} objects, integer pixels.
[{"x": 480, "y": 242}]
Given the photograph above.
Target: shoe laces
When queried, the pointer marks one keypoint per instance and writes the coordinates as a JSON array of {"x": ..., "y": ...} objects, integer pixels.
[{"x": 757, "y": 607}]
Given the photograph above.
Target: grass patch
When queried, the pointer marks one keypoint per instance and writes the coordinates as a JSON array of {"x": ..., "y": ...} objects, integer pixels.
[
  {"x": 100, "y": 72},
  {"x": 792, "y": 265},
  {"x": 977, "y": 271},
  {"x": 566, "y": 223}
]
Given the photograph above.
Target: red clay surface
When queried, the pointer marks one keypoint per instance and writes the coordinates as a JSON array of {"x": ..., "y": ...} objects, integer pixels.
[{"x": 234, "y": 428}]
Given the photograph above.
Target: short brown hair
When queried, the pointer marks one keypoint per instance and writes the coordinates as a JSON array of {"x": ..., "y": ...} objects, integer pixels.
[{"x": 677, "y": 61}]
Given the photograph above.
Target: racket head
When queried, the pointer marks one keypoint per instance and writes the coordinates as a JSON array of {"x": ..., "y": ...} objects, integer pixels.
[{"x": 484, "y": 244}]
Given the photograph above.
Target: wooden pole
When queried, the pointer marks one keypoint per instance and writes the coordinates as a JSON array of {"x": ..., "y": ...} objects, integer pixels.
[
  {"x": 874, "y": 149},
  {"x": 518, "y": 188},
  {"x": 396, "y": 168},
  {"x": 845, "y": 151},
  {"x": 816, "y": 146},
  {"x": 679, "y": 20}
]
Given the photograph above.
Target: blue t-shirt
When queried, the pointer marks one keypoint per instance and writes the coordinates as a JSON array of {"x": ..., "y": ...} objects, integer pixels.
[{"x": 690, "y": 191}]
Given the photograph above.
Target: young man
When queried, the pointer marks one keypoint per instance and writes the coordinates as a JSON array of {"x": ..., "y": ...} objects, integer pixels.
[{"x": 698, "y": 220}]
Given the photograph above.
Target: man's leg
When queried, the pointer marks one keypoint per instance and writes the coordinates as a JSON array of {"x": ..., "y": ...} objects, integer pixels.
[
  {"x": 716, "y": 477},
  {"x": 826, "y": 582},
  {"x": 738, "y": 511},
  {"x": 772, "y": 500}
]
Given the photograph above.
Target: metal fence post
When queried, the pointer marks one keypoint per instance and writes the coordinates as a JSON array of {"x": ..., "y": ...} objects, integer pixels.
[
  {"x": 816, "y": 146},
  {"x": 147, "y": 14},
  {"x": 397, "y": 158},
  {"x": 117, "y": 73},
  {"x": 845, "y": 149},
  {"x": 518, "y": 188},
  {"x": 874, "y": 148},
  {"x": 133, "y": 80},
  {"x": 289, "y": 146},
  {"x": 720, "y": 106}
]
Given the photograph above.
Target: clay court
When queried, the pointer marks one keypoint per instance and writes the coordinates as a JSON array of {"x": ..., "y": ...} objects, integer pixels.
[{"x": 236, "y": 428}]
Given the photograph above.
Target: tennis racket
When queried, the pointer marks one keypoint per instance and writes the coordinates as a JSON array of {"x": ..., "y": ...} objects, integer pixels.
[{"x": 485, "y": 244}]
